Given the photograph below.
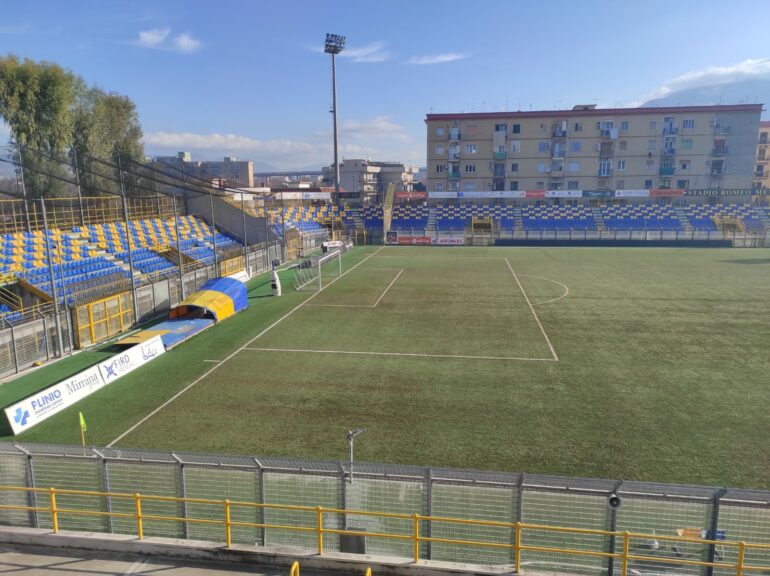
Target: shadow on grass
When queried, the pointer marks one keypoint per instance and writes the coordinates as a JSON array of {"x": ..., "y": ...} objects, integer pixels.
[{"x": 748, "y": 261}]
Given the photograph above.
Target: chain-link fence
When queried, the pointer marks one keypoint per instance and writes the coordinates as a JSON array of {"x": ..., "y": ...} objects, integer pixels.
[
  {"x": 660, "y": 510},
  {"x": 27, "y": 342}
]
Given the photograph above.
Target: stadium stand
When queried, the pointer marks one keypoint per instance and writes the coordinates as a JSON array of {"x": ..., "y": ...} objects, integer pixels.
[
  {"x": 409, "y": 217},
  {"x": 701, "y": 216},
  {"x": 644, "y": 216},
  {"x": 542, "y": 216}
]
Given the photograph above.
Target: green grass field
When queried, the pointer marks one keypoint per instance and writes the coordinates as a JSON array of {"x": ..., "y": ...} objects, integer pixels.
[{"x": 648, "y": 364}]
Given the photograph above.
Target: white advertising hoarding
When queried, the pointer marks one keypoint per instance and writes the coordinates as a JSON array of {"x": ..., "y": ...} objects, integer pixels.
[{"x": 32, "y": 410}]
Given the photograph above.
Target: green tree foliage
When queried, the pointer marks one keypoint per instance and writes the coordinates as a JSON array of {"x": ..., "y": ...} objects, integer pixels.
[{"x": 52, "y": 112}]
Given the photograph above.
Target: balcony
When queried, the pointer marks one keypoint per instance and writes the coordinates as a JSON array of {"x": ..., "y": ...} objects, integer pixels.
[
  {"x": 559, "y": 133},
  {"x": 666, "y": 171},
  {"x": 605, "y": 133},
  {"x": 760, "y": 173},
  {"x": 499, "y": 155},
  {"x": 670, "y": 130},
  {"x": 455, "y": 136},
  {"x": 453, "y": 175},
  {"x": 668, "y": 152},
  {"x": 606, "y": 173},
  {"x": 454, "y": 156},
  {"x": 719, "y": 150},
  {"x": 717, "y": 172}
]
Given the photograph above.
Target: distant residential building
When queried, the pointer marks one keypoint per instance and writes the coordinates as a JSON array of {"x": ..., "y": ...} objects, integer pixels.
[
  {"x": 761, "y": 166},
  {"x": 370, "y": 178},
  {"x": 234, "y": 173},
  {"x": 589, "y": 148}
]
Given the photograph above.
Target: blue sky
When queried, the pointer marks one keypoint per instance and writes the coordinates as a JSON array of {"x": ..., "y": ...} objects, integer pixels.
[{"x": 249, "y": 78}]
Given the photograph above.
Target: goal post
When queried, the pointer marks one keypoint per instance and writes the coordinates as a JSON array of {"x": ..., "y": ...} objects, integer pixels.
[{"x": 310, "y": 272}]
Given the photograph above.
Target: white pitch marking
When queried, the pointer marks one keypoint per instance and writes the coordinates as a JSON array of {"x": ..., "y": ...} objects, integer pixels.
[
  {"x": 400, "y": 271},
  {"x": 566, "y": 289},
  {"x": 409, "y": 354},
  {"x": 213, "y": 361},
  {"x": 542, "y": 330},
  {"x": 222, "y": 363}
]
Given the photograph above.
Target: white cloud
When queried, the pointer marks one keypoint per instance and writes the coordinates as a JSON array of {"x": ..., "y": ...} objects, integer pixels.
[
  {"x": 160, "y": 39},
  {"x": 437, "y": 58},
  {"x": 17, "y": 29},
  {"x": 377, "y": 128},
  {"x": 711, "y": 76},
  {"x": 373, "y": 52},
  {"x": 152, "y": 38},
  {"x": 186, "y": 44}
]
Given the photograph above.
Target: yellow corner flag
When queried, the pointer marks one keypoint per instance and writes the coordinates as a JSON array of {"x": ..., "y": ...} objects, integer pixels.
[
  {"x": 82, "y": 422},
  {"x": 82, "y": 430}
]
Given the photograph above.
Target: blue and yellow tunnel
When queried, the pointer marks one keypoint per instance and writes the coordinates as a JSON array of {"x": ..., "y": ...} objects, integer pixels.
[{"x": 218, "y": 299}]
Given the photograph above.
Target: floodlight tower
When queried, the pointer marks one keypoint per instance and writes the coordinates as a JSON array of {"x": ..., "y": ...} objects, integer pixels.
[{"x": 334, "y": 45}]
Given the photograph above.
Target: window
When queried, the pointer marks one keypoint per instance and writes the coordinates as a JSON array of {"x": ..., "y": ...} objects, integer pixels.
[
  {"x": 470, "y": 168},
  {"x": 653, "y": 125},
  {"x": 540, "y": 185},
  {"x": 573, "y": 166},
  {"x": 624, "y": 126},
  {"x": 605, "y": 168},
  {"x": 575, "y": 146},
  {"x": 541, "y": 167},
  {"x": 683, "y": 184},
  {"x": 684, "y": 165},
  {"x": 514, "y": 167},
  {"x": 685, "y": 143},
  {"x": 763, "y": 137},
  {"x": 554, "y": 185},
  {"x": 621, "y": 164},
  {"x": 543, "y": 146},
  {"x": 688, "y": 124},
  {"x": 440, "y": 149},
  {"x": 469, "y": 186},
  {"x": 648, "y": 184},
  {"x": 515, "y": 146},
  {"x": 651, "y": 145},
  {"x": 470, "y": 148},
  {"x": 664, "y": 183},
  {"x": 440, "y": 131},
  {"x": 438, "y": 187},
  {"x": 623, "y": 144},
  {"x": 620, "y": 184},
  {"x": 440, "y": 168},
  {"x": 606, "y": 125},
  {"x": 759, "y": 169},
  {"x": 650, "y": 165},
  {"x": 454, "y": 186},
  {"x": 514, "y": 185},
  {"x": 578, "y": 127},
  {"x": 516, "y": 128},
  {"x": 501, "y": 127},
  {"x": 573, "y": 185}
]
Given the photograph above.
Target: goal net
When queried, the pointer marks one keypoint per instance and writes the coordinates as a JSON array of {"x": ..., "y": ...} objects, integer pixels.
[{"x": 312, "y": 273}]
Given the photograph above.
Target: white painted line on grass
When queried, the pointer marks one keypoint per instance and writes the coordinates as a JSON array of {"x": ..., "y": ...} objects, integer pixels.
[
  {"x": 400, "y": 271},
  {"x": 542, "y": 330},
  {"x": 222, "y": 363},
  {"x": 566, "y": 289},
  {"x": 214, "y": 361},
  {"x": 408, "y": 354}
]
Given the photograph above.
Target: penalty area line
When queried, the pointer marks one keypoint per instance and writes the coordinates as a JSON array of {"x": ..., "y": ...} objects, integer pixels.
[
  {"x": 407, "y": 354},
  {"x": 526, "y": 298},
  {"x": 235, "y": 353}
]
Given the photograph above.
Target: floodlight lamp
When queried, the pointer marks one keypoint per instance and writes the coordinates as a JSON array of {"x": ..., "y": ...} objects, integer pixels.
[{"x": 334, "y": 44}]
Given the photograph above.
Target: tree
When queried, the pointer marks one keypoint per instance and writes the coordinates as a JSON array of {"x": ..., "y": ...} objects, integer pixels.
[{"x": 52, "y": 112}]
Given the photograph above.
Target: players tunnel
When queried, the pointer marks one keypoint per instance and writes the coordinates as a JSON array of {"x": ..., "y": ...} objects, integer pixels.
[{"x": 217, "y": 300}]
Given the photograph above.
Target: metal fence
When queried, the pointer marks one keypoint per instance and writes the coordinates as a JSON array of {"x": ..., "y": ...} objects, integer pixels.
[
  {"x": 578, "y": 507},
  {"x": 26, "y": 343}
]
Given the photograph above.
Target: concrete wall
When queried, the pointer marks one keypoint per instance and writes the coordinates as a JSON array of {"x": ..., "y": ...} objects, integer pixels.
[{"x": 229, "y": 218}]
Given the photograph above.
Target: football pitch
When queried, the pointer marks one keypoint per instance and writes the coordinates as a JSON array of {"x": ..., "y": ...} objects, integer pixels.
[{"x": 647, "y": 364}]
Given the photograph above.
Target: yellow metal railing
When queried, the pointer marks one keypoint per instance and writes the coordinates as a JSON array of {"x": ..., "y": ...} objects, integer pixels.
[{"x": 317, "y": 514}]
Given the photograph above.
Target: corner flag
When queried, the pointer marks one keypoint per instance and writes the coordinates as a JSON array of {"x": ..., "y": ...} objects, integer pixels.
[{"x": 82, "y": 430}]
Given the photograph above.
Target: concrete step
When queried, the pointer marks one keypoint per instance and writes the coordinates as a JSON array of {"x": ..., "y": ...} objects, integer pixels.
[{"x": 596, "y": 212}]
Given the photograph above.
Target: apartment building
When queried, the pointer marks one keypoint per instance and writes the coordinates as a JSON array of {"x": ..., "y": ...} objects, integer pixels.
[
  {"x": 233, "y": 172},
  {"x": 762, "y": 166},
  {"x": 590, "y": 148},
  {"x": 371, "y": 178}
]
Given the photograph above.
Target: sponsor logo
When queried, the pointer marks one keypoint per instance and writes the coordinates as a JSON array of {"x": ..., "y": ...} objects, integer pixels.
[
  {"x": 148, "y": 353},
  {"x": 21, "y": 416}
]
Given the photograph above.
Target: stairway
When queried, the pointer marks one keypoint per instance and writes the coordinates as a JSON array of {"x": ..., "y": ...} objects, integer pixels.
[
  {"x": 518, "y": 223},
  {"x": 596, "y": 212},
  {"x": 683, "y": 219},
  {"x": 430, "y": 227}
]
